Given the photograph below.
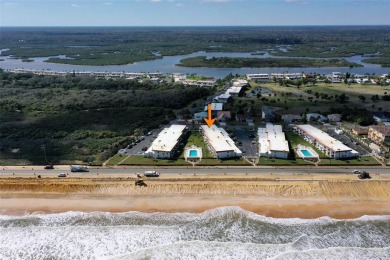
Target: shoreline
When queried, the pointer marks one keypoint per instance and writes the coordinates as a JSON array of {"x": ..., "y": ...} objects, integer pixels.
[
  {"x": 274, "y": 208},
  {"x": 281, "y": 196}
]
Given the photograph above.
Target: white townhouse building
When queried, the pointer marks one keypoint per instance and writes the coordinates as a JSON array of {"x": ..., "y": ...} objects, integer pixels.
[
  {"x": 325, "y": 143},
  {"x": 272, "y": 142},
  {"x": 219, "y": 142},
  {"x": 167, "y": 140}
]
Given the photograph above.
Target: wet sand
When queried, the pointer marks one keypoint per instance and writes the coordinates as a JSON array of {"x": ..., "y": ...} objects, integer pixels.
[{"x": 285, "y": 196}]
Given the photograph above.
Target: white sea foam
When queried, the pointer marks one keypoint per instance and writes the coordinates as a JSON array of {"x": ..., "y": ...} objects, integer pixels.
[
  {"x": 81, "y": 242},
  {"x": 337, "y": 253},
  {"x": 237, "y": 251},
  {"x": 222, "y": 233},
  {"x": 231, "y": 211}
]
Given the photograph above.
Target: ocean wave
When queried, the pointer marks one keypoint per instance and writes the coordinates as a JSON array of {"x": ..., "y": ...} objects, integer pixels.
[
  {"x": 136, "y": 217},
  {"x": 76, "y": 235},
  {"x": 237, "y": 251}
]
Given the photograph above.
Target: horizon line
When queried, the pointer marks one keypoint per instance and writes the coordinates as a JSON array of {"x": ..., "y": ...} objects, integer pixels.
[{"x": 159, "y": 26}]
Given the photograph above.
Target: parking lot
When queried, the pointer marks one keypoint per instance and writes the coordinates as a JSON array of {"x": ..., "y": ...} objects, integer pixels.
[
  {"x": 246, "y": 141},
  {"x": 347, "y": 141},
  {"x": 136, "y": 147}
]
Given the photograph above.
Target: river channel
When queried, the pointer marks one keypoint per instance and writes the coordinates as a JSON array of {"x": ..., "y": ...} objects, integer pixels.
[{"x": 168, "y": 65}]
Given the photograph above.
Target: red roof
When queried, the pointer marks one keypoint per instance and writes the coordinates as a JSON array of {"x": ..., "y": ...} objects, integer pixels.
[{"x": 225, "y": 114}]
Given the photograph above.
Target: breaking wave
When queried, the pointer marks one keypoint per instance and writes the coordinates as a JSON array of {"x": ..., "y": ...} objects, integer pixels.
[{"x": 221, "y": 233}]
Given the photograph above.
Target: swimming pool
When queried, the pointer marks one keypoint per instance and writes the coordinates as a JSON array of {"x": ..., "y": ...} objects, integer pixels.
[
  {"x": 306, "y": 153},
  {"x": 193, "y": 153}
]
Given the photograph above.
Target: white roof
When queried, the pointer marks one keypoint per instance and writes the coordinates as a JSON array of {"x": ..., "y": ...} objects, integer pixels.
[
  {"x": 272, "y": 138},
  {"x": 215, "y": 107},
  {"x": 324, "y": 139},
  {"x": 233, "y": 90},
  {"x": 167, "y": 139},
  {"x": 263, "y": 141},
  {"x": 219, "y": 139},
  {"x": 240, "y": 82}
]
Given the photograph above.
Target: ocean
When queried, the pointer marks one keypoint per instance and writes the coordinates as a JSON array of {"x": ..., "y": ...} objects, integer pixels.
[{"x": 220, "y": 233}]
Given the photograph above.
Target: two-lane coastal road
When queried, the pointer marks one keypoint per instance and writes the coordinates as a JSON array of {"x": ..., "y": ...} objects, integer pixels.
[{"x": 38, "y": 170}]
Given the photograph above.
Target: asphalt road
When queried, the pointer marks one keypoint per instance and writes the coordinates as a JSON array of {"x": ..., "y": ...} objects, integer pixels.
[{"x": 205, "y": 170}]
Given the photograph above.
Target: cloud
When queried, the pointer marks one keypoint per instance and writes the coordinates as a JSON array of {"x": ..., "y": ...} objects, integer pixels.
[
  {"x": 74, "y": 5},
  {"x": 155, "y": 1},
  {"x": 214, "y": 1},
  {"x": 179, "y": 4},
  {"x": 297, "y": 1},
  {"x": 107, "y": 3}
]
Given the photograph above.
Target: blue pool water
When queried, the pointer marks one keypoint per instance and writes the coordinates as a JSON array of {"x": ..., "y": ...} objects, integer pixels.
[
  {"x": 193, "y": 153},
  {"x": 306, "y": 153}
]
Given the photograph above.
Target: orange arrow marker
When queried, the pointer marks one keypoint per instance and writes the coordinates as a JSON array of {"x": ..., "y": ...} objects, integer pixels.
[{"x": 209, "y": 121}]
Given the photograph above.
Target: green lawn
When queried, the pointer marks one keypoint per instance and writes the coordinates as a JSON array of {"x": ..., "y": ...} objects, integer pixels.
[
  {"x": 271, "y": 161},
  {"x": 360, "y": 161},
  {"x": 116, "y": 159},
  {"x": 233, "y": 162},
  {"x": 196, "y": 139},
  {"x": 295, "y": 140},
  {"x": 140, "y": 160}
]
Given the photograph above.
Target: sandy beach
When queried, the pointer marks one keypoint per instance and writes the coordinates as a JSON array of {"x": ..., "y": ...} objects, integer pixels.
[{"x": 287, "y": 196}]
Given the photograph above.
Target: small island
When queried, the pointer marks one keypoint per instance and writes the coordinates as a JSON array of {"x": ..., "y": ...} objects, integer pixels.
[{"x": 226, "y": 62}]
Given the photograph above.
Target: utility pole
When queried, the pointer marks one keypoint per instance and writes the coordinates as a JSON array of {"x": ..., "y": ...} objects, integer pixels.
[{"x": 43, "y": 147}]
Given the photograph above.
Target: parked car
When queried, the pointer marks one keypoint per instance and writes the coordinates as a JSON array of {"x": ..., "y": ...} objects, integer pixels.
[
  {"x": 61, "y": 174},
  {"x": 144, "y": 148},
  {"x": 49, "y": 167}
]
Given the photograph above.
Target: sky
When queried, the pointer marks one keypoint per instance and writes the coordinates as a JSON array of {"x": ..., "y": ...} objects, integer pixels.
[{"x": 193, "y": 12}]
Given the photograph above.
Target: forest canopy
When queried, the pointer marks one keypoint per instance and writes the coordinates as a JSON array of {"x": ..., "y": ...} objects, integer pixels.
[{"x": 81, "y": 117}]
